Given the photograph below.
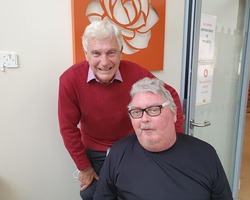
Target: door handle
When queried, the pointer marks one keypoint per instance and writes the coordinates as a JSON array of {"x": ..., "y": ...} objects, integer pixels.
[{"x": 204, "y": 124}]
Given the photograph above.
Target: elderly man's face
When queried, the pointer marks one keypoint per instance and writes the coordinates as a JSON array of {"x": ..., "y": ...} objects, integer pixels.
[
  {"x": 154, "y": 133},
  {"x": 104, "y": 58}
]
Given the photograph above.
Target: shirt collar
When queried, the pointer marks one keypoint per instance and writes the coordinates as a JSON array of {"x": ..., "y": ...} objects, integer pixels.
[{"x": 91, "y": 76}]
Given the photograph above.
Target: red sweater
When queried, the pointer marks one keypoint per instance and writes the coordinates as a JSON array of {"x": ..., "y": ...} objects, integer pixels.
[{"x": 100, "y": 109}]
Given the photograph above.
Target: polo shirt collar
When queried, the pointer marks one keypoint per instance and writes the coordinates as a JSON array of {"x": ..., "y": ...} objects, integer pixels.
[{"x": 91, "y": 76}]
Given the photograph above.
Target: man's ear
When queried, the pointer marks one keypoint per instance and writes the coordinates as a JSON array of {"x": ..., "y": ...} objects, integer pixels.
[
  {"x": 175, "y": 117},
  {"x": 86, "y": 56},
  {"x": 121, "y": 52}
]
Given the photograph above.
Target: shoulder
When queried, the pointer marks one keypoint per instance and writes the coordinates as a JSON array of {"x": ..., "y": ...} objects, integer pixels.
[
  {"x": 194, "y": 150},
  {"x": 194, "y": 144},
  {"x": 76, "y": 70},
  {"x": 131, "y": 68}
]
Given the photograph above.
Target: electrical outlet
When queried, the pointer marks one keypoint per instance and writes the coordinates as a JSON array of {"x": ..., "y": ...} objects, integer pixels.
[{"x": 8, "y": 59}]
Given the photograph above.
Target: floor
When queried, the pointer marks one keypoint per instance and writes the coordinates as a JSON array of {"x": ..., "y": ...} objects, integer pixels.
[{"x": 244, "y": 192}]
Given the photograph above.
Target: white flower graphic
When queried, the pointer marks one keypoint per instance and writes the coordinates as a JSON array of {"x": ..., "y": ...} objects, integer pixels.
[{"x": 135, "y": 18}]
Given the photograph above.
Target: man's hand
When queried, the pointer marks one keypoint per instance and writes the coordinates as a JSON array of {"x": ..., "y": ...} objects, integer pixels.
[{"x": 86, "y": 177}]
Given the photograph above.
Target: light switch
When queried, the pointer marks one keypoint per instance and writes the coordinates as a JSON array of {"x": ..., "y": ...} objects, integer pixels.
[{"x": 8, "y": 59}]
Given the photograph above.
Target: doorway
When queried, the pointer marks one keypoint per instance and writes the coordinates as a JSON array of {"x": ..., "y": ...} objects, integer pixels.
[{"x": 215, "y": 68}]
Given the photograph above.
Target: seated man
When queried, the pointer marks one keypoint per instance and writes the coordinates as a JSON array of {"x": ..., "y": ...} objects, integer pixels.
[{"x": 155, "y": 162}]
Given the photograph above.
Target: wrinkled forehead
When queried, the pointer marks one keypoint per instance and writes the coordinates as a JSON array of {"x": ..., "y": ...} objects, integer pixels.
[{"x": 146, "y": 99}]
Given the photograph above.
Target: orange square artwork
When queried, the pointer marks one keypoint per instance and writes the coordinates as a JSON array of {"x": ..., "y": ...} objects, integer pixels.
[{"x": 142, "y": 23}]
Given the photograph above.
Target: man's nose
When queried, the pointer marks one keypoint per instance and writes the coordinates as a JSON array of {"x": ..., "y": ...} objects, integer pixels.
[
  {"x": 145, "y": 116},
  {"x": 104, "y": 59}
]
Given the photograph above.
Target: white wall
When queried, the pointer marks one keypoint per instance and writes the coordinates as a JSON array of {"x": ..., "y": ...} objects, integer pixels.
[
  {"x": 173, "y": 44},
  {"x": 34, "y": 164}
]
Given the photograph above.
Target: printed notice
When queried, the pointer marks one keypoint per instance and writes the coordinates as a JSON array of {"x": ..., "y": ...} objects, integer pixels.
[
  {"x": 207, "y": 37},
  {"x": 205, "y": 68},
  {"x": 204, "y": 84}
]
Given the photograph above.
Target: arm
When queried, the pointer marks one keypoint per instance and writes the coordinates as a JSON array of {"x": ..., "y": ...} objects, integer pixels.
[
  {"x": 220, "y": 189},
  {"x": 176, "y": 98},
  {"x": 69, "y": 116}
]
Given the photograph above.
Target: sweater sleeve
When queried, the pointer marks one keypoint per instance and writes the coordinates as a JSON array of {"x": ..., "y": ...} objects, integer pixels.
[{"x": 69, "y": 117}]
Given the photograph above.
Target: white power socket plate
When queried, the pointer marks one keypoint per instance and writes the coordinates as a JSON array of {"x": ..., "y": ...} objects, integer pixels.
[{"x": 8, "y": 59}]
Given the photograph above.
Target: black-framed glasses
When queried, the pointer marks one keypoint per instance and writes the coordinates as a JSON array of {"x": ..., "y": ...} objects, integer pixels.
[{"x": 151, "y": 111}]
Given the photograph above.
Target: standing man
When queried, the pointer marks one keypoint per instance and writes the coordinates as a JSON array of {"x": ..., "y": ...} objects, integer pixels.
[
  {"x": 155, "y": 162},
  {"x": 93, "y": 96}
]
